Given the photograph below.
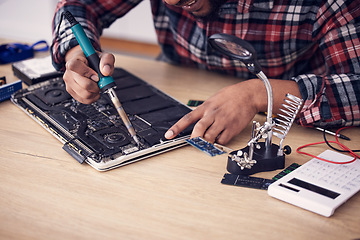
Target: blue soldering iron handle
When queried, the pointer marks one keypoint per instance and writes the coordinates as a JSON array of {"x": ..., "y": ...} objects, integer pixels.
[{"x": 105, "y": 82}]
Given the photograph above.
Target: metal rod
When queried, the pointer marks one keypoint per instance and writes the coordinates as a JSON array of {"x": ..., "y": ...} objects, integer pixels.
[{"x": 263, "y": 78}]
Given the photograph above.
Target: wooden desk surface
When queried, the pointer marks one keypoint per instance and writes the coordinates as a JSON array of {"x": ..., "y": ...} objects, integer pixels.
[{"x": 46, "y": 194}]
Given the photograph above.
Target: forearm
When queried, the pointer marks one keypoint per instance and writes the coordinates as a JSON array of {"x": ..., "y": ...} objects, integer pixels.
[
  {"x": 94, "y": 16},
  {"x": 72, "y": 52},
  {"x": 63, "y": 38},
  {"x": 279, "y": 89}
]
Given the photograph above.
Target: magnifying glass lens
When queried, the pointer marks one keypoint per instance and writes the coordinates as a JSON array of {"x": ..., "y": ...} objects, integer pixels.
[{"x": 232, "y": 47}]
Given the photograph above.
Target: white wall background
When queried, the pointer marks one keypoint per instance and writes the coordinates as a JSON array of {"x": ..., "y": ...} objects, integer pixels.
[{"x": 30, "y": 21}]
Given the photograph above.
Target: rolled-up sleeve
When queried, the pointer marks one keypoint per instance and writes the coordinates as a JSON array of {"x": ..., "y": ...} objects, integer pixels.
[
  {"x": 93, "y": 16},
  {"x": 332, "y": 98}
]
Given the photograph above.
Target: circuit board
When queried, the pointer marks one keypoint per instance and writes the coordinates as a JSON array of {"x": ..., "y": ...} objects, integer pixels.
[
  {"x": 205, "y": 146},
  {"x": 95, "y": 133},
  {"x": 256, "y": 182}
]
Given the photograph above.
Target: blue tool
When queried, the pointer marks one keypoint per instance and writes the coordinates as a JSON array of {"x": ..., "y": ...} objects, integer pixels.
[{"x": 106, "y": 83}]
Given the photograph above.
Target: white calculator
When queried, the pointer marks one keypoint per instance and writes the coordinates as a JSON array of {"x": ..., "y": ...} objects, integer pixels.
[{"x": 319, "y": 186}]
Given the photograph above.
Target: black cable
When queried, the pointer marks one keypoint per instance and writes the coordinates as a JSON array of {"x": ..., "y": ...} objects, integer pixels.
[{"x": 336, "y": 149}]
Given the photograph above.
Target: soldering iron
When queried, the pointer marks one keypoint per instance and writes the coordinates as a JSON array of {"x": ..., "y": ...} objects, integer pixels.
[{"x": 106, "y": 83}]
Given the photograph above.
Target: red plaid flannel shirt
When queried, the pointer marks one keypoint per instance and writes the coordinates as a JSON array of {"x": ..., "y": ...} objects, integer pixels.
[{"x": 315, "y": 43}]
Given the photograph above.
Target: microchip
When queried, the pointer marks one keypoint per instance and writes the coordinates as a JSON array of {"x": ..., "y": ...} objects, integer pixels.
[
  {"x": 194, "y": 103},
  {"x": 288, "y": 170},
  {"x": 205, "y": 146}
]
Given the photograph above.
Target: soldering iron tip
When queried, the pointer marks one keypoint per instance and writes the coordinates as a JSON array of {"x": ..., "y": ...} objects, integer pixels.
[{"x": 137, "y": 141}]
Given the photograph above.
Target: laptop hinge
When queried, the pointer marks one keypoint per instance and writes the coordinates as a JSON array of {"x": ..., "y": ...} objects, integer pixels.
[{"x": 75, "y": 153}]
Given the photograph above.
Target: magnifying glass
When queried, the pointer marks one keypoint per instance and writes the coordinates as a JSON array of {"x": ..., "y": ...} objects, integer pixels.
[{"x": 236, "y": 48}]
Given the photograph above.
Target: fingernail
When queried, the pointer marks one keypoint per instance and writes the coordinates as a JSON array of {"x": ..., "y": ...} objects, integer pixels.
[
  {"x": 106, "y": 69},
  {"x": 169, "y": 134},
  {"x": 95, "y": 78}
]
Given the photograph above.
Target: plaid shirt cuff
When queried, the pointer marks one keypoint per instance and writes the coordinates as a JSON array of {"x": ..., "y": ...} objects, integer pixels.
[
  {"x": 64, "y": 39},
  {"x": 328, "y": 101}
]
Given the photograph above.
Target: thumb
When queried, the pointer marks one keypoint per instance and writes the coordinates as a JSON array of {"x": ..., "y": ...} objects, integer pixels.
[{"x": 107, "y": 61}]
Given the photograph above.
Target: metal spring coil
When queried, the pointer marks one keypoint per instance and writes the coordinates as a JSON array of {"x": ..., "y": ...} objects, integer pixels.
[{"x": 285, "y": 119}]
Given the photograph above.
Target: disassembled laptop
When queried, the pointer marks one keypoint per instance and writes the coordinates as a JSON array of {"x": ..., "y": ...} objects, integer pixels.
[{"x": 95, "y": 133}]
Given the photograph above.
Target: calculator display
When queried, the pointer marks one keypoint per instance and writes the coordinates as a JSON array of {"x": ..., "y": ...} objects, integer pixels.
[{"x": 311, "y": 187}]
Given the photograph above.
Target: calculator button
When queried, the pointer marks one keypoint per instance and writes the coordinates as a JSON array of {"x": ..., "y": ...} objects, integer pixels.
[{"x": 347, "y": 188}]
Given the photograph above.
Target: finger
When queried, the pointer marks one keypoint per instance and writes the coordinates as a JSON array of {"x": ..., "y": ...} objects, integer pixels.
[
  {"x": 85, "y": 99},
  {"x": 81, "y": 73},
  {"x": 212, "y": 133},
  {"x": 81, "y": 88},
  {"x": 231, "y": 129},
  {"x": 183, "y": 123},
  {"x": 224, "y": 137},
  {"x": 80, "y": 66},
  {"x": 80, "y": 84},
  {"x": 202, "y": 126},
  {"x": 107, "y": 62}
]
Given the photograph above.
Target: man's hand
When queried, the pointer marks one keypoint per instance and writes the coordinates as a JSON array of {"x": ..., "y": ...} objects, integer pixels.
[
  {"x": 229, "y": 111},
  {"x": 82, "y": 81}
]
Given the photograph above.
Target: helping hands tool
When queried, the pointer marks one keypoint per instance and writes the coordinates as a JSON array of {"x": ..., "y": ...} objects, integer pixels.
[
  {"x": 258, "y": 156},
  {"x": 106, "y": 83}
]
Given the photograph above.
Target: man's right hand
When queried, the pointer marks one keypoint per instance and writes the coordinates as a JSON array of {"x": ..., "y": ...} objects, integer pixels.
[{"x": 81, "y": 80}]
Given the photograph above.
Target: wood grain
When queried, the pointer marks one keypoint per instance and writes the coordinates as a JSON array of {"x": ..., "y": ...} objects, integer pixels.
[{"x": 46, "y": 194}]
